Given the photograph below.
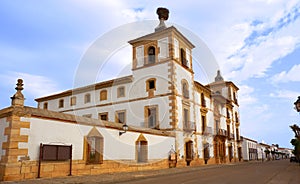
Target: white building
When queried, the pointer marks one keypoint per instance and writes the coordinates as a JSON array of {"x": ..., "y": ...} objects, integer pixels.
[
  {"x": 162, "y": 105},
  {"x": 250, "y": 149}
]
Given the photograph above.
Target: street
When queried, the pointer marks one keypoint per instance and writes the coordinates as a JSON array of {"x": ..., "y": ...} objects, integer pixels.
[
  {"x": 271, "y": 172},
  {"x": 268, "y": 172}
]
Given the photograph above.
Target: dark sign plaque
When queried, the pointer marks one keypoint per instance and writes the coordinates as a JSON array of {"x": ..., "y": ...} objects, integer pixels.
[{"x": 52, "y": 152}]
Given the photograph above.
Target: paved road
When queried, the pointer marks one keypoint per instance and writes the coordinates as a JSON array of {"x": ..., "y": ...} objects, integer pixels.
[{"x": 272, "y": 172}]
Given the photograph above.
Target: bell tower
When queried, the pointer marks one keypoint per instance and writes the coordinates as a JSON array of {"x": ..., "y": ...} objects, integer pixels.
[{"x": 165, "y": 44}]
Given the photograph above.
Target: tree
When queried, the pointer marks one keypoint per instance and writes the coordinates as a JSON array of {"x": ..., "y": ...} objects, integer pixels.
[{"x": 296, "y": 151}]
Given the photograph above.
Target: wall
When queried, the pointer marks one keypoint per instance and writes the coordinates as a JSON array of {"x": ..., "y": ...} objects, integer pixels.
[
  {"x": 3, "y": 138},
  {"x": 115, "y": 147}
]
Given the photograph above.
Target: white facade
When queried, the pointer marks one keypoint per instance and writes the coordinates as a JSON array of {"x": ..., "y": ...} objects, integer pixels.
[
  {"x": 250, "y": 149},
  {"x": 115, "y": 147},
  {"x": 161, "y": 93}
]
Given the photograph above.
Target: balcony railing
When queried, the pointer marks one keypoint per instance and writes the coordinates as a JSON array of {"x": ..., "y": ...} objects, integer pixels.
[
  {"x": 221, "y": 132},
  {"x": 207, "y": 131},
  {"x": 189, "y": 126}
]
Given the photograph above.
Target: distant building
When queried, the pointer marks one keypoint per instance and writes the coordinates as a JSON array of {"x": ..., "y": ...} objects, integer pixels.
[{"x": 249, "y": 149}]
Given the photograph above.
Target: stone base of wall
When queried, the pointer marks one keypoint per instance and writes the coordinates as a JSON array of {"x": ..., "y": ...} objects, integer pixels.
[
  {"x": 29, "y": 169},
  {"x": 201, "y": 161}
]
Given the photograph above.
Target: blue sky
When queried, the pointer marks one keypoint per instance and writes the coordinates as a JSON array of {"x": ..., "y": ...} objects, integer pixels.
[{"x": 255, "y": 42}]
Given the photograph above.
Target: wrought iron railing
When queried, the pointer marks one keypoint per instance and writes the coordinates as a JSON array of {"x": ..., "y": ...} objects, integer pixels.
[
  {"x": 207, "y": 131},
  {"x": 221, "y": 132},
  {"x": 189, "y": 126}
]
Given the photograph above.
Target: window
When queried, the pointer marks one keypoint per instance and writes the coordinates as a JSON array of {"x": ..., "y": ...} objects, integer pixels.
[
  {"x": 87, "y": 115},
  {"x": 203, "y": 102},
  {"x": 203, "y": 123},
  {"x": 45, "y": 105},
  {"x": 140, "y": 56},
  {"x": 228, "y": 130},
  {"x": 237, "y": 133},
  {"x": 217, "y": 126},
  {"x": 151, "y": 116},
  {"x": 73, "y": 100},
  {"x": 186, "y": 118},
  {"x": 176, "y": 48},
  {"x": 185, "y": 90},
  {"x": 236, "y": 117},
  {"x": 163, "y": 45},
  {"x": 87, "y": 98},
  {"x": 188, "y": 55},
  {"x": 183, "y": 57},
  {"x": 103, "y": 116},
  {"x": 227, "y": 113},
  {"x": 94, "y": 146},
  {"x": 120, "y": 117},
  {"x": 121, "y": 92},
  {"x": 103, "y": 95},
  {"x": 235, "y": 97},
  {"x": 61, "y": 103},
  {"x": 151, "y": 55},
  {"x": 150, "y": 84}
]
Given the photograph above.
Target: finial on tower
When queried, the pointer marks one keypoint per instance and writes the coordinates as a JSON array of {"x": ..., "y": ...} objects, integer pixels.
[
  {"x": 18, "y": 98},
  {"x": 163, "y": 14},
  {"x": 219, "y": 77}
]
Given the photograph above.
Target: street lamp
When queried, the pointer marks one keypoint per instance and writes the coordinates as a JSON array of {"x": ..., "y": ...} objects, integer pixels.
[
  {"x": 297, "y": 104},
  {"x": 125, "y": 128}
]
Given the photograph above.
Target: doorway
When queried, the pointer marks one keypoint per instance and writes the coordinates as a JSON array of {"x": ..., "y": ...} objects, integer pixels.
[{"x": 188, "y": 152}]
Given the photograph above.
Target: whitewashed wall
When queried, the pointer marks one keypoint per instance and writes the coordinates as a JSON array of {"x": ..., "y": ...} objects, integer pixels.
[
  {"x": 3, "y": 138},
  {"x": 115, "y": 147}
]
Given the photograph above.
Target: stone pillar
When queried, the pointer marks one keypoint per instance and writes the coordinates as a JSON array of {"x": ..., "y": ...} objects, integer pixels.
[
  {"x": 18, "y": 99},
  {"x": 12, "y": 154}
]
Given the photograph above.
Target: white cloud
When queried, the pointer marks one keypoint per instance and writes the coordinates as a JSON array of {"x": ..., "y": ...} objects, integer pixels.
[
  {"x": 287, "y": 76},
  {"x": 260, "y": 58},
  {"x": 34, "y": 85},
  {"x": 245, "y": 46},
  {"x": 246, "y": 95},
  {"x": 285, "y": 94}
]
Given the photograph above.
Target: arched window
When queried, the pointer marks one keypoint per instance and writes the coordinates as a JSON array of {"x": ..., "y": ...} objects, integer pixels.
[
  {"x": 103, "y": 95},
  {"x": 185, "y": 90},
  {"x": 151, "y": 55}
]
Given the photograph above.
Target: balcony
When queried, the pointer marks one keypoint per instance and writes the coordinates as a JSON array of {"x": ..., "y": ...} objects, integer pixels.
[
  {"x": 239, "y": 139},
  {"x": 230, "y": 136},
  {"x": 189, "y": 126},
  {"x": 221, "y": 132},
  {"x": 207, "y": 131}
]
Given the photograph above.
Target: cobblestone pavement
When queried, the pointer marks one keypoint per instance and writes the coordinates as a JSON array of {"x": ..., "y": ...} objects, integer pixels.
[{"x": 287, "y": 173}]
